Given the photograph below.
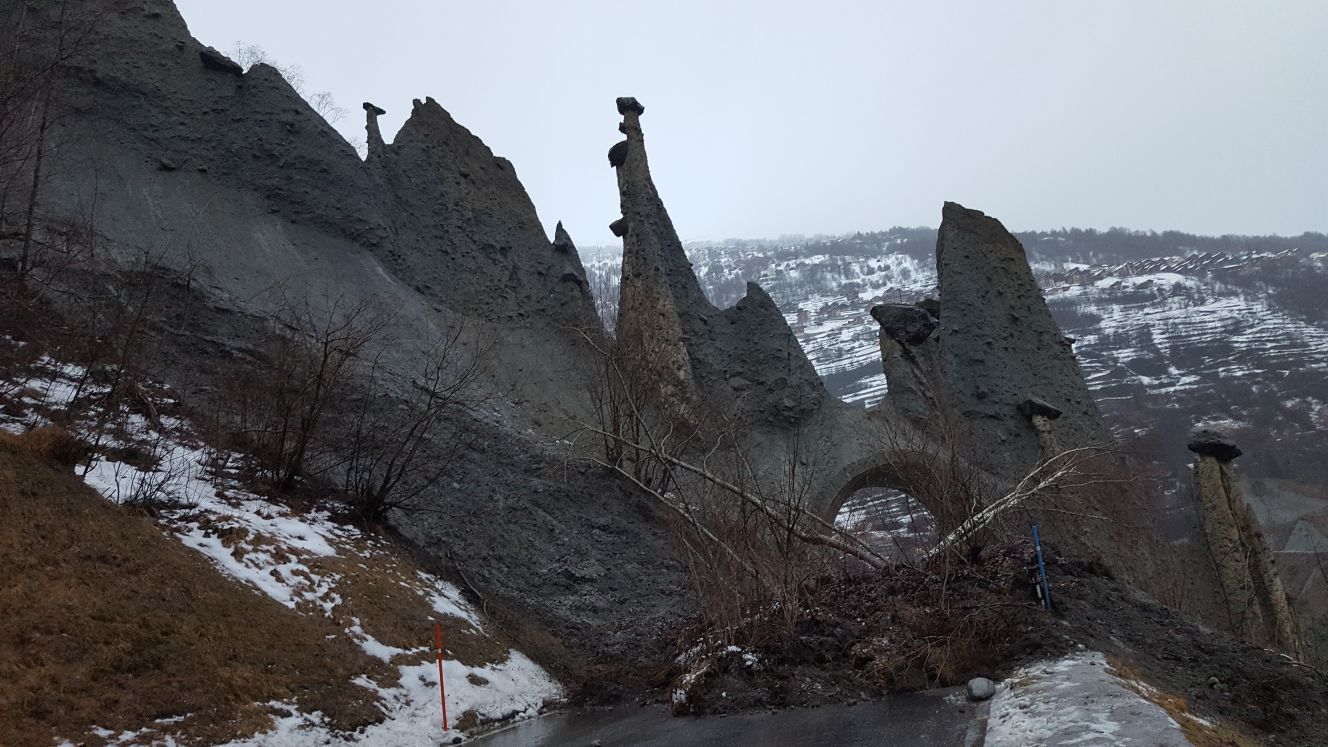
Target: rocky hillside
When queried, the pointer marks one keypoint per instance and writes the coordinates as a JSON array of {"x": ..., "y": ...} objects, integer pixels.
[
  {"x": 230, "y": 202},
  {"x": 1171, "y": 330},
  {"x": 356, "y": 398}
]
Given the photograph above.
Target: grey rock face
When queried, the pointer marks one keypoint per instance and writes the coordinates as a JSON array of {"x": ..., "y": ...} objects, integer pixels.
[
  {"x": 463, "y": 229},
  {"x": 432, "y": 228},
  {"x": 910, "y": 373},
  {"x": 562, "y": 241},
  {"x": 671, "y": 331},
  {"x": 1213, "y": 443},
  {"x": 374, "y": 136},
  {"x": 570, "y": 269},
  {"x": 436, "y": 206},
  {"x": 742, "y": 363},
  {"x": 215, "y": 60},
  {"x": 1257, "y": 607},
  {"x": 908, "y": 356},
  {"x": 996, "y": 355},
  {"x": 980, "y": 688},
  {"x": 998, "y": 346},
  {"x": 909, "y": 324}
]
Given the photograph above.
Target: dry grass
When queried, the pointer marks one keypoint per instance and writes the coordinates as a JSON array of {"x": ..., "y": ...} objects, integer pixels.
[
  {"x": 383, "y": 591},
  {"x": 378, "y": 588},
  {"x": 106, "y": 622},
  {"x": 1200, "y": 733},
  {"x": 50, "y": 444}
]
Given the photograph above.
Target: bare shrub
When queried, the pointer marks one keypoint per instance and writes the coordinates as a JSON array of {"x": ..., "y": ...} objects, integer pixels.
[
  {"x": 937, "y": 467},
  {"x": 617, "y": 404},
  {"x": 322, "y": 102},
  {"x": 277, "y": 404},
  {"x": 397, "y": 448},
  {"x": 147, "y": 474},
  {"x": 751, "y": 541}
]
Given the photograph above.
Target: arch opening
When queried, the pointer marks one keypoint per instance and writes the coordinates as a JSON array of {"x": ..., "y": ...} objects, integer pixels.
[{"x": 890, "y": 521}]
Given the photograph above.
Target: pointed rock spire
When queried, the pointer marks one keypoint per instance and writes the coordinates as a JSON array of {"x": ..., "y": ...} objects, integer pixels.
[
  {"x": 569, "y": 269},
  {"x": 672, "y": 334},
  {"x": 375, "y": 136},
  {"x": 998, "y": 346}
]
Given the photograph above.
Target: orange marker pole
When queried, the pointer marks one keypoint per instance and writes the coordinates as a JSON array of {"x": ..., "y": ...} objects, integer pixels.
[{"x": 442, "y": 689}]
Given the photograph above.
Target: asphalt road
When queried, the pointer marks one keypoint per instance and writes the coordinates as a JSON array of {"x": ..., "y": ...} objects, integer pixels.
[{"x": 932, "y": 719}]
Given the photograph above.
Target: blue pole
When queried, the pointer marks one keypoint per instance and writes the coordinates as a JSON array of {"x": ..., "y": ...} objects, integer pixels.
[{"x": 1042, "y": 570}]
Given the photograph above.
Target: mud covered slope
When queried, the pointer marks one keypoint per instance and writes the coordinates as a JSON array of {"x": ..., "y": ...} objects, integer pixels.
[{"x": 179, "y": 159}]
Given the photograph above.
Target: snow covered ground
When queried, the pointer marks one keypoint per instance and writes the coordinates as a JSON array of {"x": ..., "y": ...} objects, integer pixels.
[
  {"x": 288, "y": 556},
  {"x": 1171, "y": 332}
]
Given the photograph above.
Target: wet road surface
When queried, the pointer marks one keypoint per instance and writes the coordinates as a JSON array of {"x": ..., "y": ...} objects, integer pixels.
[{"x": 938, "y": 718}]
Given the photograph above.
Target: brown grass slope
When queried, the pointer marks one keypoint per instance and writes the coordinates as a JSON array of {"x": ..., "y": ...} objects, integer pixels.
[{"x": 104, "y": 621}]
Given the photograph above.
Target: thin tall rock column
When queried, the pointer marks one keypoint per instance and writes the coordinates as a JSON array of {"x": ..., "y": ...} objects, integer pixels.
[
  {"x": 659, "y": 297},
  {"x": 1255, "y": 598}
]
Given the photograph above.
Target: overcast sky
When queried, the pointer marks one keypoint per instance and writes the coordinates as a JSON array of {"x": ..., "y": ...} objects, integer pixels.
[{"x": 771, "y": 117}]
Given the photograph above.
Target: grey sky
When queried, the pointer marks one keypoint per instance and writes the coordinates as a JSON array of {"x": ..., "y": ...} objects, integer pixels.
[{"x": 773, "y": 117}]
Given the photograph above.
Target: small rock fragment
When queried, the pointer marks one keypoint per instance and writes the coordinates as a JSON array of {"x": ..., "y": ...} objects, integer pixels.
[
  {"x": 215, "y": 60},
  {"x": 1213, "y": 443},
  {"x": 629, "y": 104},
  {"x": 1034, "y": 406},
  {"x": 618, "y": 154},
  {"x": 981, "y": 688},
  {"x": 909, "y": 324}
]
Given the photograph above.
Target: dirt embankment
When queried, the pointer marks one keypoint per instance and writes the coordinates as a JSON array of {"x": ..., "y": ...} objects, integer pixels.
[{"x": 867, "y": 635}]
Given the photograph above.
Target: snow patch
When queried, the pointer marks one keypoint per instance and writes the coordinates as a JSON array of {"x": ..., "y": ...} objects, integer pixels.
[{"x": 1076, "y": 701}]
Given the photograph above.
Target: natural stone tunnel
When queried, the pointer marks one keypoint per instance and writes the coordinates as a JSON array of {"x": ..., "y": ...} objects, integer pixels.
[{"x": 891, "y": 522}]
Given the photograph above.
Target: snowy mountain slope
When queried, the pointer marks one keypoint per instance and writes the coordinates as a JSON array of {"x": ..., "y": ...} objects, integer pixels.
[{"x": 1217, "y": 334}]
